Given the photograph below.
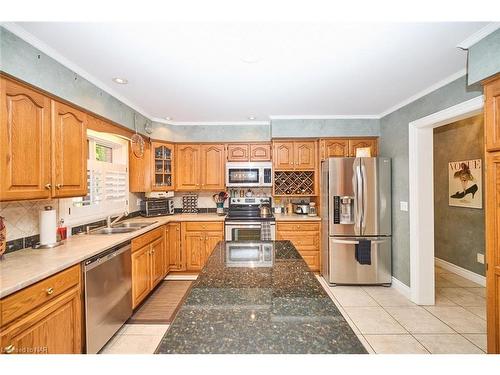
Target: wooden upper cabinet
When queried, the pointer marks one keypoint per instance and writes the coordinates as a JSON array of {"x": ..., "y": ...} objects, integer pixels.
[
  {"x": 260, "y": 152},
  {"x": 238, "y": 152},
  {"x": 283, "y": 155},
  {"x": 69, "y": 136},
  {"x": 188, "y": 167},
  {"x": 140, "y": 170},
  {"x": 492, "y": 114},
  {"x": 162, "y": 166},
  {"x": 305, "y": 155},
  {"x": 334, "y": 148},
  {"x": 294, "y": 155},
  {"x": 25, "y": 136},
  {"x": 213, "y": 167},
  {"x": 361, "y": 143}
]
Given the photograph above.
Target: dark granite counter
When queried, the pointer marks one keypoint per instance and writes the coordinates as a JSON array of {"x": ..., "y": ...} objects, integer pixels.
[{"x": 277, "y": 306}]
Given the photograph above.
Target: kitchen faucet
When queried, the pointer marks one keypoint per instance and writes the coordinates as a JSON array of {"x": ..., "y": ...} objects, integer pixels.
[{"x": 111, "y": 223}]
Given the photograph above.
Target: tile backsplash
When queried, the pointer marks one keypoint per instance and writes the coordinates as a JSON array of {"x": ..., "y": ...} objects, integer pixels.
[{"x": 21, "y": 217}]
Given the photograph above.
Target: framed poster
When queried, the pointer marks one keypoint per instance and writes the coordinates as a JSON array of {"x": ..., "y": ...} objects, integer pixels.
[{"x": 465, "y": 184}]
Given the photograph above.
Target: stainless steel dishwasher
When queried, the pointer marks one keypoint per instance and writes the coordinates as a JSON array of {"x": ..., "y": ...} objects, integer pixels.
[{"x": 108, "y": 294}]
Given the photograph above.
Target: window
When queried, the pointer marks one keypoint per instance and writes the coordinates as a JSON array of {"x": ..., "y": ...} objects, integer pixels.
[{"x": 107, "y": 181}]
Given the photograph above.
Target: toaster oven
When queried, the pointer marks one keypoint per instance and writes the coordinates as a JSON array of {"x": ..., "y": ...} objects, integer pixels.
[{"x": 157, "y": 207}]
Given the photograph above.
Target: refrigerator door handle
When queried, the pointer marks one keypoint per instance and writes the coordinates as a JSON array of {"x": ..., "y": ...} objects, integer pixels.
[
  {"x": 364, "y": 188},
  {"x": 354, "y": 242},
  {"x": 359, "y": 197}
]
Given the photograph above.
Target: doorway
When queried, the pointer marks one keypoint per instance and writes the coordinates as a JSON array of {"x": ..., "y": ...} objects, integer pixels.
[{"x": 421, "y": 197}]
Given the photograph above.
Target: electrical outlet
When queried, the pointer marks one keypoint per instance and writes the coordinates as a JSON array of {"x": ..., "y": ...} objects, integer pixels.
[
  {"x": 480, "y": 258},
  {"x": 403, "y": 206}
]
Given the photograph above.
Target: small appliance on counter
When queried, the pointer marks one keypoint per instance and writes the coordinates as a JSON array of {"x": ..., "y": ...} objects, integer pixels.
[
  {"x": 157, "y": 204},
  {"x": 301, "y": 208}
]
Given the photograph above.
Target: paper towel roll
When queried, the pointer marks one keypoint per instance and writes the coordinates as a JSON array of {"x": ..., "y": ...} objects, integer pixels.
[{"x": 48, "y": 230}]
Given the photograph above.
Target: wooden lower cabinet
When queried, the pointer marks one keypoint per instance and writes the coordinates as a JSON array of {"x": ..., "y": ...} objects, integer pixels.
[
  {"x": 176, "y": 255},
  {"x": 149, "y": 263},
  {"x": 199, "y": 240},
  {"x": 306, "y": 237},
  {"x": 50, "y": 327}
]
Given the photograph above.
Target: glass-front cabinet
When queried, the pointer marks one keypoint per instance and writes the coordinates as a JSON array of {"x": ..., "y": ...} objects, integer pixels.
[{"x": 163, "y": 166}]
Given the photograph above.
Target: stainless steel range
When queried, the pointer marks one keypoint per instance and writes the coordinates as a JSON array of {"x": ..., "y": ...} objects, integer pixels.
[{"x": 247, "y": 218}]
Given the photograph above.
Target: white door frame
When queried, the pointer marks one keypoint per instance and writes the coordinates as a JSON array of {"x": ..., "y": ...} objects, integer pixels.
[{"x": 421, "y": 184}]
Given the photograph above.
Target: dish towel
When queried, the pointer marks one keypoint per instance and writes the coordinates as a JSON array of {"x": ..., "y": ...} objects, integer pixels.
[
  {"x": 265, "y": 231},
  {"x": 362, "y": 252}
]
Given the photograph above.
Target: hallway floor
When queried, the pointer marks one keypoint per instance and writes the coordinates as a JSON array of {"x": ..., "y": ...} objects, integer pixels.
[{"x": 387, "y": 322}]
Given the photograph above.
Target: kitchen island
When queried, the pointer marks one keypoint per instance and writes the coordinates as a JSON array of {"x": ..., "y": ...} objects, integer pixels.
[{"x": 258, "y": 298}]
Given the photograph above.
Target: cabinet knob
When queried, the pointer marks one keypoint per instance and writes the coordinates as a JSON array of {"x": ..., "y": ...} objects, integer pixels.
[
  {"x": 9, "y": 349},
  {"x": 152, "y": 251},
  {"x": 50, "y": 291},
  {"x": 177, "y": 229},
  {"x": 58, "y": 186},
  {"x": 48, "y": 186}
]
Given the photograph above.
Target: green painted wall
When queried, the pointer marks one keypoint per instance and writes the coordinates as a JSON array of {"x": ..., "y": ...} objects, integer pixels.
[
  {"x": 324, "y": 128},
  {"x": 484, "y": 58},
  {"x": 458, "y": 231}
]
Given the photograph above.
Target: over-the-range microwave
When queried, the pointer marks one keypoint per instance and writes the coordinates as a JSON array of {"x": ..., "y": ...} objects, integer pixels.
[{"x": 243, "y": 174}]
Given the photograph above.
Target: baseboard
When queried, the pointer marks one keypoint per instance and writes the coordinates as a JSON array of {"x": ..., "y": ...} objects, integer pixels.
[
  {"x": 181, "y": 277},
  {"x": 401, "y": 287},
  {"x": 469, "y": 275}
]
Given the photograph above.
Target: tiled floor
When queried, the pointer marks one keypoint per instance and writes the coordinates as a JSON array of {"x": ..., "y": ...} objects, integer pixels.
[{"x": 387, "y": 322}]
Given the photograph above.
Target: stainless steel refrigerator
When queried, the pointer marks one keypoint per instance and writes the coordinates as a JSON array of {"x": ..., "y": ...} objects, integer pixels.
[{"x": 356, "y": 220}]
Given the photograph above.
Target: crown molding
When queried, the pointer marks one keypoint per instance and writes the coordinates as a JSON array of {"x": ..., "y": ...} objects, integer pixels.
[
  {"x": 478, "y": 35},
  {"x": 424, "y": 92},
  {"x": 322, "y": 117},
  {"x": 49, "y": 51},
  {"x": 208, "y": 123}
]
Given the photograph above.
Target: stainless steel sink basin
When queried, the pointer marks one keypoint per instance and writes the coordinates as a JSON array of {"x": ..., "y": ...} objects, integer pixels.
[
  {"x": 134, "y": 225},
  {"x": 113, "y": 230}
]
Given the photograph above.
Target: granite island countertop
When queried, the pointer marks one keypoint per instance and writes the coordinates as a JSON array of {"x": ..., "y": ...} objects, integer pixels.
[{"x": 276, "y": 309}]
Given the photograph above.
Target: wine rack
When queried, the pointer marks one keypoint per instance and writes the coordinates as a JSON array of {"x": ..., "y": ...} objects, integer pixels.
[{"x": 294, "y": 183}]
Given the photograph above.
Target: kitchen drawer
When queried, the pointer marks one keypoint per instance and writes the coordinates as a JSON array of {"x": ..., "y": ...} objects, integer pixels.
[
  {"x": 311, "y": 258},
  {"x": 203, "y": 226},
  {"x": 29, "y": 298},
  {"x": 302, "y": 241},
  {"x": 147, "y": 238},
  {"x": 297, "y": 226}
]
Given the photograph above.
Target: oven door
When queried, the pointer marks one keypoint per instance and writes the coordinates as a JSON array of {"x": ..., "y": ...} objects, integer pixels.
[{"x": 246, "y": 231}]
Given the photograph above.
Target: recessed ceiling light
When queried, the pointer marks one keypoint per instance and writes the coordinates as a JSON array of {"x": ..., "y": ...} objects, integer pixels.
[
  {"x": 252, "y": 117},
  {"x": 168, "y": 118},
  {"x": 121, "y": 81}
]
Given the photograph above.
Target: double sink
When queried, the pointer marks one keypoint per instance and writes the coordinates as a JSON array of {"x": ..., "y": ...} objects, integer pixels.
[{"x": 122, "y": 228}]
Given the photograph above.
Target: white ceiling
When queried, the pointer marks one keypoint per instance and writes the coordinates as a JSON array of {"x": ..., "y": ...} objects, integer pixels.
[{"x": 196, "y": 72}]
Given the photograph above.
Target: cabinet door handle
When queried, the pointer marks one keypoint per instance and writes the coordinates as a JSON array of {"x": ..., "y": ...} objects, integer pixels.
[
  {"x": 9, "y": 349},
  {"x": 48, "y": 186},
  {"x": 152, "y": 251},
  {"x": 50, "y": 291}
]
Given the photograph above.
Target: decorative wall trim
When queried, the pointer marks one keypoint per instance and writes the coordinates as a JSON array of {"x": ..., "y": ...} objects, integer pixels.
[
  {"x": 425, "y": 92},
  {"x": 478, "y": 35},
  {"x": 180, "y": 277},
  {"x": 401, "y": 287},
  {"x": 469, "y": 275}
]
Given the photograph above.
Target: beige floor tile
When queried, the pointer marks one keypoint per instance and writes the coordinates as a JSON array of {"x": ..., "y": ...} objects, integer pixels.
[
  {"x": 441, "y": 300},
  {"x": 479, "y": 311},
  {"x": 463, "y": 297},
  {"x": 132, "y": 344},
  {"x": 144, "y": 329},
  {"x": 388, "y": 296},
  {"x": 479, "y": 291},
  {"x": 418, "y": 320},
  {"x": 459, "y": 319},
  {"x": 441, "y": 282},
  {"x": 478, "y": 339},
  {"x": 365, "y": 343},
  {"x": 459, "y": 280},
  {"x": 447, "y": 344},
  {"x": 374, "y": 320},
  {"x": 395, "y": 344},
  {"x": 352, "y": 296}
]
